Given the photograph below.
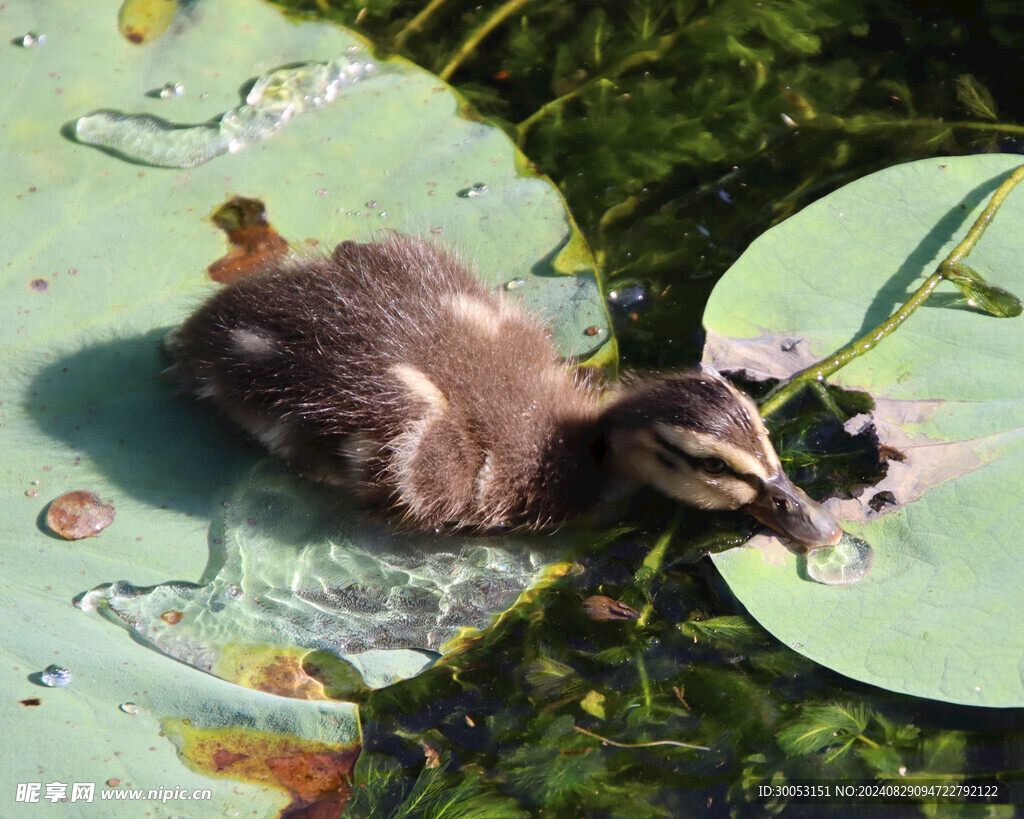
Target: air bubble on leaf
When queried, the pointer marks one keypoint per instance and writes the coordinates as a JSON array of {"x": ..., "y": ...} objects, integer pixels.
[
  {"x": 30, "y": 40},
  {"x": 56, "y": 676},
  {"x": 479, "y": 189},
  {"x": 849, "y": 561},
  {"x": 514, "y": 284},
  {"x": 172, "y": 90},
  {"x": 129, "y": 708}
]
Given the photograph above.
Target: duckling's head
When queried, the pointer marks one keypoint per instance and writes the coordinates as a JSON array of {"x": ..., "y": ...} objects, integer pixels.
[{"x": 698, "y": 439}]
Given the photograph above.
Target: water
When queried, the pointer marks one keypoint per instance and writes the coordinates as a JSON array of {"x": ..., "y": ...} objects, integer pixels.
[
  {"x": 56, "y": 676},
  {"x": 849, "y": 561},
  {"x": 479, "y": 189},
  {"x": 511, "y": 705},
  {"x": 30, "y": 40},
  {"x": 172, "y": 90},
  {"x": 641, "y": 157},
  {"x": 354, "y": 589},
  {"x": 274, "y": 99}
]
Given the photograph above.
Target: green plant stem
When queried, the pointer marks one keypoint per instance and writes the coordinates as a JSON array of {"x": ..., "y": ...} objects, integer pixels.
[
  {"x": 652, "y": 563},
  {"x": 650, "y": 744},
  {"x": 946, "y": 269},
  {"x": 840, "y": 124},
  {"x": 623, "y": 65},
  {"x": 645, "y": 681},
  {"x": 416, "y": 23},
  {"x": 981, "y": 224},
  {"x": 867, "y": 741},
  {"x": 504, "y": 11},
  {"x": 823, "y": 369}
]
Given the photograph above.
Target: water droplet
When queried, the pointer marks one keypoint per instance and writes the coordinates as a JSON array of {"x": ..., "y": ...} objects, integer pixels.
[
  {"x": 514, "y": 284},
  {"x": 32, "y": 493},
  {"x": 274, "y": 98},
  {"x": 171, "y": 90},
  {"x": 79, "y": 514},
  {"x": 383, "y": 214},
  {"x": 849, "y": 561},
  {"x": 593, "y": 330},
  {"x": 479, "y": 189},
  {"x": 232, "y": 592},
  {"x": 371, "y": 204},
  {"x": 56, "y": 676},
  {"x": 129, "y": 708},
  {"x": 30, "y": 40}
]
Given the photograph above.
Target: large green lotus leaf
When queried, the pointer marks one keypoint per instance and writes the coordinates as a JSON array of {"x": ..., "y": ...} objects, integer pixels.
[
  {"x": 939, "y": 615},
  {"x": 102, "y": 255}
]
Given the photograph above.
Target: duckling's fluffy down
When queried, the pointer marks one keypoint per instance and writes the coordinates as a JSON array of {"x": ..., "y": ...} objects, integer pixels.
[{"x": 390, "y": 368}]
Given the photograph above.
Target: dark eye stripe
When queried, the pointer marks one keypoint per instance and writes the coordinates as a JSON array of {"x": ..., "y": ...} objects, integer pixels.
[
  {"x": 666, "y": 461},
  {"x": 682, "y": 454}
]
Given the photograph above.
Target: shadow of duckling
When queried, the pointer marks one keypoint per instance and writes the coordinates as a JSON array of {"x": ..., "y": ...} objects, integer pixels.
[{"x": 107, "y": 402}]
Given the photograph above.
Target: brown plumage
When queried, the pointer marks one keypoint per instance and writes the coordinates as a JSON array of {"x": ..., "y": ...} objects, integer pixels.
[{"x": 390, "y": 369}]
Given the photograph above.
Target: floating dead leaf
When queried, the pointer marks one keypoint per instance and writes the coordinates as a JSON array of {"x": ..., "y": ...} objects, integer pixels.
[
  {"x": 433, "y": 756},
  {"x": 79, "y": 514},
  {"x": 317, "y": 775},
  {"x": 143, "y": 21},
  {"x": 599, "y": 607},
  {"x": 274, "y": 669},
  {"x": 256, "y": 245}
]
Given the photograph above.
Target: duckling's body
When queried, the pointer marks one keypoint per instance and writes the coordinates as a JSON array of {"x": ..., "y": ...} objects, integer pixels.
[{"x": 390, "y": 369}]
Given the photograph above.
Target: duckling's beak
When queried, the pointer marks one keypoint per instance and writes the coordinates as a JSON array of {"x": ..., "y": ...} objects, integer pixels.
[{"x": 786, "y": 508}]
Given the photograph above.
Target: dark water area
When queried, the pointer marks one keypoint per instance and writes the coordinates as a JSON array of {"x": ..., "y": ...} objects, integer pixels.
[{"x": 679, "y": 132}]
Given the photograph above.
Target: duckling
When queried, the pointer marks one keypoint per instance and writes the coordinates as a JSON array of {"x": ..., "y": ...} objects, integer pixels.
[{"x": 388, "y": 369}]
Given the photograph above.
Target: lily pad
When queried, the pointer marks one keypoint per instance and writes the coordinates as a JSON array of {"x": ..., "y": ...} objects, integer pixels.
[
  {"x": 939, "y": 615},
  {"x": 103, "y": 255}
]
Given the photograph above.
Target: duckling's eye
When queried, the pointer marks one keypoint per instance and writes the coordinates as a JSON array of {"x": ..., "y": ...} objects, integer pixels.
[{"x": 713, "y": 466}]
